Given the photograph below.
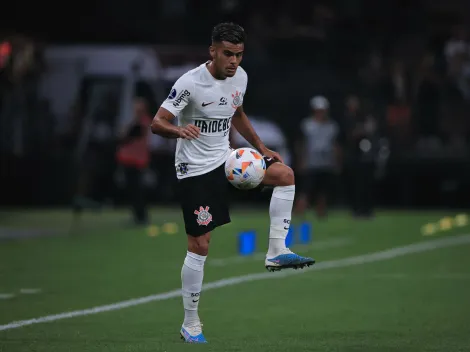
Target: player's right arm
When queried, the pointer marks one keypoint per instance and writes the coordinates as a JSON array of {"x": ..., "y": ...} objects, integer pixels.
[
  {"x": 178, "y": 99},
  {"x": 162, "y": 126}
]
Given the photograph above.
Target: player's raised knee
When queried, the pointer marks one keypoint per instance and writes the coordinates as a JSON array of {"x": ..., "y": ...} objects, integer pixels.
[
  {"x": 279, "y": 175},
  {"x": 199, "y": 244},
  {"x": 288, "y": 177}
]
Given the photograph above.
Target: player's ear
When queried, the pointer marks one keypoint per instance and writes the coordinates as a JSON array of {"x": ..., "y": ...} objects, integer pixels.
[{"x": 212, "y": 51}]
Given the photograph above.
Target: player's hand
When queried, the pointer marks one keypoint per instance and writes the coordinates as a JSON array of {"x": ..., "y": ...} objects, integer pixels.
[
  {"x": 272, "y": 154},
  {"x": 189, "y": 132}
]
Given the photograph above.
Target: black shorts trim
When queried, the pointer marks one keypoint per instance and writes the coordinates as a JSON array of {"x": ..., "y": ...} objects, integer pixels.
[{"x": 270, "y": 161}]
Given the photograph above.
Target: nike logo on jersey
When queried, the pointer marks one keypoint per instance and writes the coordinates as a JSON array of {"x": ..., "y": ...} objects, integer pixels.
[{"x": 205, "y": 104}]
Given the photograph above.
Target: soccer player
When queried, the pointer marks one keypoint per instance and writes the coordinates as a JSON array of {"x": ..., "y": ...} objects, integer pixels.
[{"x": 207, "y": 101}]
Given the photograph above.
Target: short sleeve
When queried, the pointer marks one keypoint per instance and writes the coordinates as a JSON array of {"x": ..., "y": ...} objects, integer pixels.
[{"x": 180, "y": 95}]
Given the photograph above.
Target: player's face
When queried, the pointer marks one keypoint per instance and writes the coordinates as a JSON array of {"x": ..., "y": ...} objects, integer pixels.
[{"x": 226, "y": 57}]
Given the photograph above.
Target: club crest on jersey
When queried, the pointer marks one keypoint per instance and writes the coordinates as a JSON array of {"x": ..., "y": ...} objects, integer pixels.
[
  {"x": 203, "y": 216},
  {"x": 237, "y": 99}
]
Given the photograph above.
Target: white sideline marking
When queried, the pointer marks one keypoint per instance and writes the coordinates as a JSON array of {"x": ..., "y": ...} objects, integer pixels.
[
  {"x": 6, "y": 295},
  {"x": 336, "y": 242},
  {"x": 357, "y": 260},
  {"x": 30, "y": 291}
]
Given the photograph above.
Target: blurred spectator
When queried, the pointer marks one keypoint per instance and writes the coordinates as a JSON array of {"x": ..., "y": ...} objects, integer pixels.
[
  {"x": 5, "y": 53},
  {"x": 427, "y": 98},
  {"x": 319, "y": 155},
  {"x": 134, "y": 156},
  {"x": 458, "y": 44},
  {"x": 397, "y": 85},
  {"x": 372, "y": 74},
  {"x": 360, "y": 143},
  {"x": 398, "y": 90},
  {"x": 399, "y": 126},
  {"x": 457, "y": 53},
  {"x": 97, "y": 164},
  {"x": 21, "y": 65}
]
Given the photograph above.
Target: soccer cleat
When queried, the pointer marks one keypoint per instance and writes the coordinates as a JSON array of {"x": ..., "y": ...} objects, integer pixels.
[
  {"x": 193, "y": 333},
  {"x": 288, "y": 260}
]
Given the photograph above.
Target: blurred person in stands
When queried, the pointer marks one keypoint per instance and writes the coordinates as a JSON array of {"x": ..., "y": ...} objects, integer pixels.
[
  {"x": 360, "y": 136},
  {"x": 319, "y": 154},
  {"x": 428, "y": 96},
  {"x": 457, "y": 54},
  {"x": 134, "y": 155},
  {"x": 96, "y": 163},
  {"x": 21, "y": 64}
]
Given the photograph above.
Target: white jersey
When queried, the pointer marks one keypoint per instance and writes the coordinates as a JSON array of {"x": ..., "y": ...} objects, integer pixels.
[{"x": 198, "y": 98}]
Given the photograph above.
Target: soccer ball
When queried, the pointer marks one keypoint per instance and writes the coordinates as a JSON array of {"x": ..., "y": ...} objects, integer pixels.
[{"x": 245, "y": 168}]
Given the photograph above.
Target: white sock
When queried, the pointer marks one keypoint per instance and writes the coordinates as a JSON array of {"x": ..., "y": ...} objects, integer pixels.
[
  {"x": 192, "y": 275},
  {"x": 280, "y": 212}
]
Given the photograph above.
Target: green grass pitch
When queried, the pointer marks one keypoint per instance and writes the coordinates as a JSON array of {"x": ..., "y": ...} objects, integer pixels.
[{"x": 415, "y": 302}]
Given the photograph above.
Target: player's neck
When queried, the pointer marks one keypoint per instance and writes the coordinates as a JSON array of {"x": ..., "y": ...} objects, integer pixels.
[{"x": 211, "y": 68}]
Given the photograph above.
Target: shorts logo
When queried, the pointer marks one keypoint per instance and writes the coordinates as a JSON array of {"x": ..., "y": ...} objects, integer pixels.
[
  {"x": 203, "y": 216},
  {"x": 237, "y": 99}
]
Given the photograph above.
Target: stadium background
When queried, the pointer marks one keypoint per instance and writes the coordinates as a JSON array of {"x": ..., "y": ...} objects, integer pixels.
[
  {"x": 60, "y": 112},
  {"x": 334, "y": 49}
]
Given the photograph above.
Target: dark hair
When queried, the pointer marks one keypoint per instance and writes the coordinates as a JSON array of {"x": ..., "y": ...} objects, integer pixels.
[{"x": 229, "y": 32}]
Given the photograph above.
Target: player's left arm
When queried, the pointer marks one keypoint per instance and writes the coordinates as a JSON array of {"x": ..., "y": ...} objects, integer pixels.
[{"x": 243, "y": 125}]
